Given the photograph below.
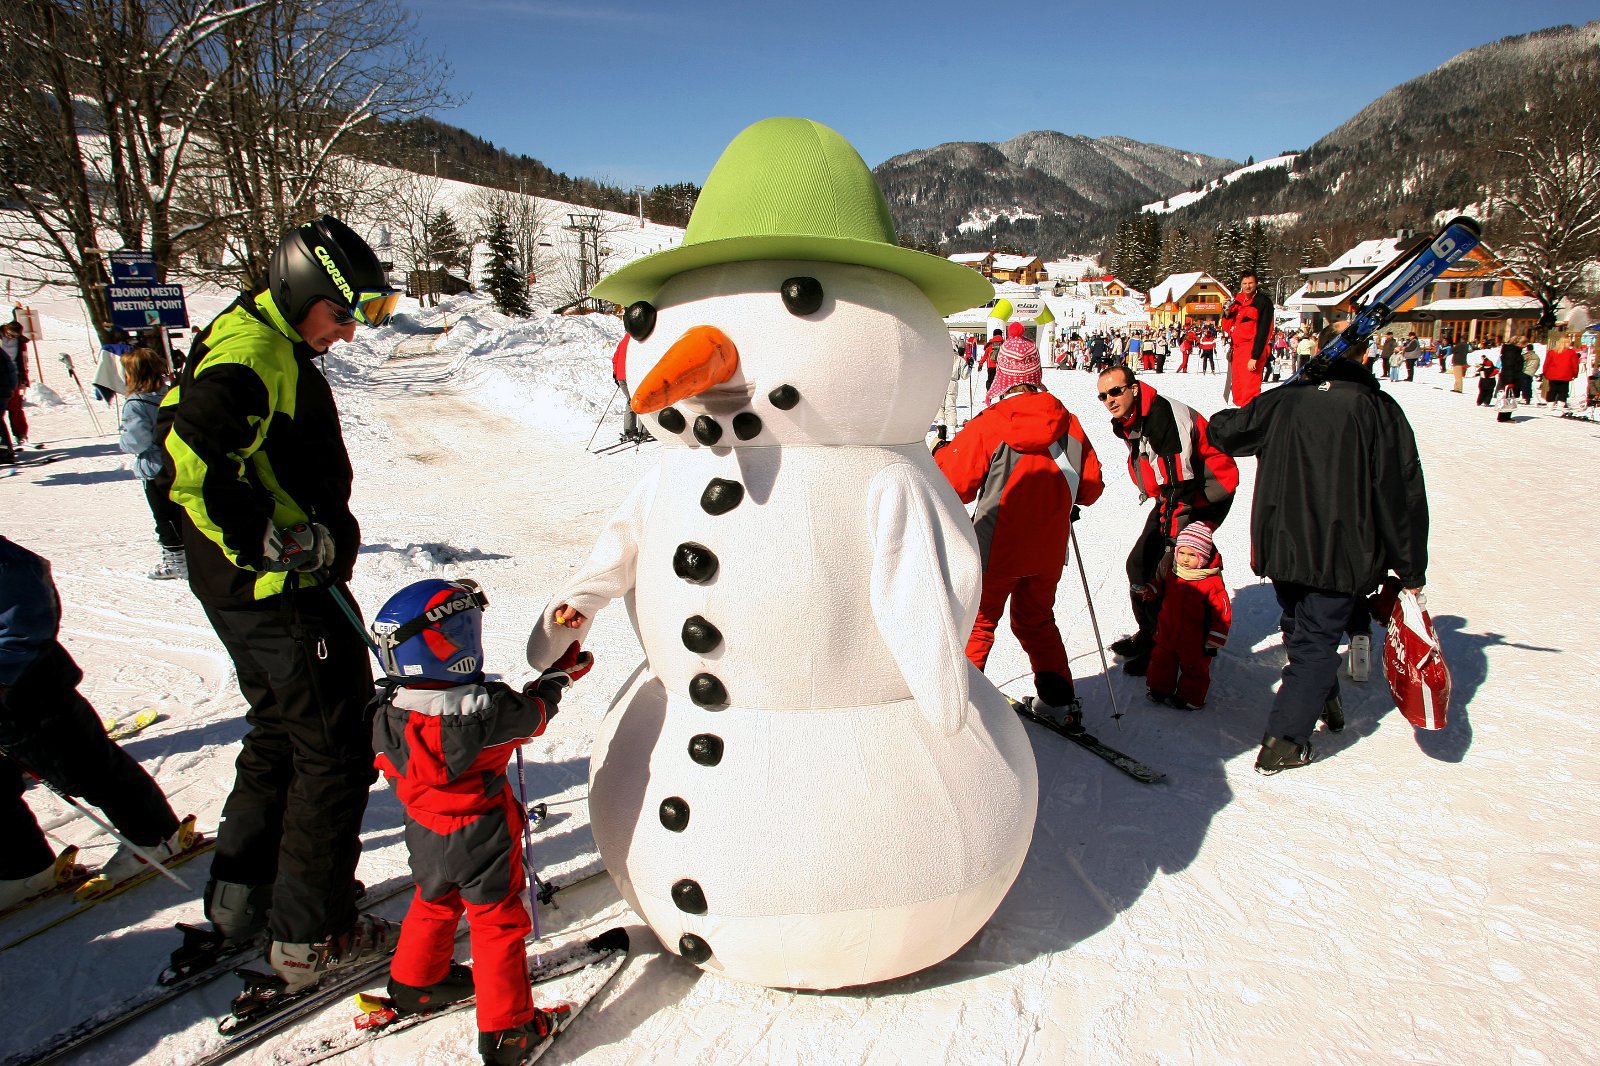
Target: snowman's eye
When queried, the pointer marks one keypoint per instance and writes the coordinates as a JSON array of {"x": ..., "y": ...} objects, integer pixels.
[
  {"x": 802, "y": 296},
  {"x": 640, "y": 320}
]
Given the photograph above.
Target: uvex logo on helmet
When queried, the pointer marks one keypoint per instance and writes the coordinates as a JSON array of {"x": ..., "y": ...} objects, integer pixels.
[
  {"x": 445, "y": 610},
  {"x": 334, "y": 273}
]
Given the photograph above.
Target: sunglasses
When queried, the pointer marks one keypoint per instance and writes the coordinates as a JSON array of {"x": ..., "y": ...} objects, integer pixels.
[
  {"x": 1118, "y": 391},
  {"x": 372, "y": 308}
]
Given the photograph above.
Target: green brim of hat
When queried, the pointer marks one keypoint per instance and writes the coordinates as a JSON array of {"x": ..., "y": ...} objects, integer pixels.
[
  {"x": 950, "y": 287},
  {"x": 791, "y": 188}
]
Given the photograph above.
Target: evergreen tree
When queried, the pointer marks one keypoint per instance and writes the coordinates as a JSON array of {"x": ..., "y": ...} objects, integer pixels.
[
  {"x": 1228, "y": 254},
  {"x": 1178, "y": 254},
  {"x": 447, "y": 248},
  {"x": 507, "y": 285}
]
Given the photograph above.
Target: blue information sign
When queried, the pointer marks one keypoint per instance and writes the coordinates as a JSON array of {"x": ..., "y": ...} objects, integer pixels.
[
  {"x": 137, "y": 307},
  {"x": 133, "y": 268}
]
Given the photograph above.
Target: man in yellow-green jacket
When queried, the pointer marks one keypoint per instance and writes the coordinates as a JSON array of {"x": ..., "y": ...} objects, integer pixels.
[{"x": 255, "y": 459}]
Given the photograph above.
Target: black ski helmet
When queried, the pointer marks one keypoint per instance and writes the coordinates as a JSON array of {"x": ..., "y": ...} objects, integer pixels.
[{"x": 322, "y": 260}]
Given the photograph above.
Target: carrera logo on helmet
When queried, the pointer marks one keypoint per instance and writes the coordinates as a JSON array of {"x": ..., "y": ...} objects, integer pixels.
[
  {"x": 445, "y": 610},
  {"x": 469, "y": 665},
  {"x": 333, "y": 272}
]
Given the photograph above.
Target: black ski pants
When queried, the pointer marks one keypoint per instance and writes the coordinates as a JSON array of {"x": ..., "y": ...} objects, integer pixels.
[
  {"x": 293, "y": 819},
  {"x": 47, "y": 728},
  {"x": 1313, "y": 622},
  {"x": 168, "y": 533}
]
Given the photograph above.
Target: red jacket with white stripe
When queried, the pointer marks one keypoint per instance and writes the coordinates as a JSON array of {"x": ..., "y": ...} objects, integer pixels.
[
  {"x": 1171, "y": 460},
  {"x": 1026, "y": 461}
]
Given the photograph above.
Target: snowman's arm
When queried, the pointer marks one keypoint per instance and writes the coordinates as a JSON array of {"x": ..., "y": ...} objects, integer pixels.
[
  {"x": 608, "y": 573},
  {"x": 926, "y": 577}
]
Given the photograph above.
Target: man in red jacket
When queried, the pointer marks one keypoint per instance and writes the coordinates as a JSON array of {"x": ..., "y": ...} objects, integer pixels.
[
  {"x": 1027, "y": 463},
  {"x": 1560, "y": 367},
  {"x": 1248, "y": 320},
  {"x": 1170, "y": 461}
]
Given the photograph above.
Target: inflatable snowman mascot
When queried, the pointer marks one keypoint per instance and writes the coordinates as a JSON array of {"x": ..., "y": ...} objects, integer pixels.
[{"x": 806, "y": 785}]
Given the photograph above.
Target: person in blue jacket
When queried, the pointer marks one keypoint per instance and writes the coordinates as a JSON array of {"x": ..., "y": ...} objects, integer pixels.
[
  {"x": 146, "y": 373},
  {"x": 48, "y": 730}
]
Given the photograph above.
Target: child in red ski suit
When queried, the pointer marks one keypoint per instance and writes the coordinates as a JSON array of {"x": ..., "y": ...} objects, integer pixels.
[
  {"x": 1194, "y": 622},
  {"x": 443, "y": 737}
]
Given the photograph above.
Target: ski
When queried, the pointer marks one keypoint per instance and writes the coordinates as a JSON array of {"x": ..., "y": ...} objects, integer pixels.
[
  {"x": 174, "y": 983},
  {"x": 123, "y": 728},
  {"x": 201, "y": 845},
  {"x": 1411, "y": 272},
  {"x": 596, "y": 960},
  {"x": 69, "y": 877},
  {"x": 1121, "y": 760}
]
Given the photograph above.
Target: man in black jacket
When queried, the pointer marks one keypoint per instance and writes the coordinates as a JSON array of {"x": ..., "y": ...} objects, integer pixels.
[{"x": 1339, "y": 502}]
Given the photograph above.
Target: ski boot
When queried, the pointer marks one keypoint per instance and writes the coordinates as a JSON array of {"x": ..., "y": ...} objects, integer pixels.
[
  {"x": 238, "y": 916},
  {"x": 1067, "y": 717},
  {"x": 302, "y": 965},
  {"x": 1130, "y": 645},
  {"x": 455, "y": 986},
  {"x": 1281, "y": 753},
  {"x": 511, "y": 1047},
  {"x": 126, "y": 864},
  {"x": 174, "y": 565},
  {"x": 1333, "y": 715},
  {"x": 61, "y": 872}
]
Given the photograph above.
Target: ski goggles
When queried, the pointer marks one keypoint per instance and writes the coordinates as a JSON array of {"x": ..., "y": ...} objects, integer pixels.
[
  {"x": 468, "y": 596},
  {"x": 372, "y": 308}
]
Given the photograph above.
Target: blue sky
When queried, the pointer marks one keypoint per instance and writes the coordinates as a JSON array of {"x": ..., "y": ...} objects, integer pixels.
[{"x": 645, "y": 93}]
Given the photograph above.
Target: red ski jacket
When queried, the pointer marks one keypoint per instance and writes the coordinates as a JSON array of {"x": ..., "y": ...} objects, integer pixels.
[
  {"x": 1561, "y": 364},
  {"x": 446, "y": 749},
  {"x": 1171, "y": 459},
  {"x": 1026, "y": 461},
  {"x": 1195, "y": 614},
  {"x": 619, "y": 360}
]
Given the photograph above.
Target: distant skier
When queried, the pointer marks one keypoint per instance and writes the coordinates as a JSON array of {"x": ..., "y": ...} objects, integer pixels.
[
  {"x": 48, "y": 729},
  {"x": 1194, "y": 623},
  {"x": 443, "y": 736},
  {"x": 146, "y": 374}
]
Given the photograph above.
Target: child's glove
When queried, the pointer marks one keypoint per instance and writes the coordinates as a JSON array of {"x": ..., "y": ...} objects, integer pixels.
[{"x": 548, "y": 686}]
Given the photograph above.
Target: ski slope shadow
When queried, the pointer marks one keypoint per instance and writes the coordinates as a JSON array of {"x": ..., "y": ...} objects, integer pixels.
[
  {"x": 87, "y": 477},
  {"x": 1101, "y": 838},
  {"x": 1467, "y": 656}
]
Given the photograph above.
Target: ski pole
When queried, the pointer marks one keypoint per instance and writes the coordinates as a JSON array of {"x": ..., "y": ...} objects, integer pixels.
[
  {"x": 603, "y": 414},
  {"x": 66, "y": 360},
  {"x": 535, "y": 886},
  {"x": 1105, "y": 667},
  {"x": 355, "y": 620},
  {"x": 103, "y": 824}
]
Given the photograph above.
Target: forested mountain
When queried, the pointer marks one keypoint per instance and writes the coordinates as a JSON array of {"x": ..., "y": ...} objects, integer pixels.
[
  {"x": 1427, "y": 146},
  {"x": 1043, "y": 191}
]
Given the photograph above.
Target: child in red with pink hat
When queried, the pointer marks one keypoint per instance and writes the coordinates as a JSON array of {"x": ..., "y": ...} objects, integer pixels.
[
  {"x": 1017, "y": 363},
  {"x": 1195, "y": 616}
]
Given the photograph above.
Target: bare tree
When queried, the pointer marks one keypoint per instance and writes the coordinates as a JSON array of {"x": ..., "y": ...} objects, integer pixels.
[
  {"x": 527, "y": 220},
  {"x": 301, "y": 84},
  {"x": 1547, "y": 205},
  {"x": 103, "y": 103}
]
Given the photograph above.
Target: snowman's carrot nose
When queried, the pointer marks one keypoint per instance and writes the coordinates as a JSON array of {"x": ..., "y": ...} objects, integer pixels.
[{"x": 701, "y": 358}]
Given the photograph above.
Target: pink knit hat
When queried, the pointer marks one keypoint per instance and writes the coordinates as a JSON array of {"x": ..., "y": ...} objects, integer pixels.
[
  {"x": 1017, "y": 363},
  {"x": 1197, "y": 535}
]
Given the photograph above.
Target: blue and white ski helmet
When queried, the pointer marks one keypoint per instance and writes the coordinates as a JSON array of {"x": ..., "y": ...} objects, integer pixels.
[{"x": 432, "y": 630}]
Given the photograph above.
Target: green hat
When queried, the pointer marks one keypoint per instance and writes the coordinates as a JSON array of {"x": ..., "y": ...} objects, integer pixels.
[{"x": 790, "y": 188}]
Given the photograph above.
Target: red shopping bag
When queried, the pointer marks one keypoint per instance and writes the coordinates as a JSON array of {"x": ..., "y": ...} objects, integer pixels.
[{"x": 1414, "y": 664}]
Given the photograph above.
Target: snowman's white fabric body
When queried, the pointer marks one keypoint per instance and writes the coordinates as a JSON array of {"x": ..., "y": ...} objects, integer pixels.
[{"x": 846, "y": 799}]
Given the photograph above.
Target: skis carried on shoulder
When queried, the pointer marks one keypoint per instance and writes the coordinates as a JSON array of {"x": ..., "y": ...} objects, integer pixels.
[
  {"x": 1121, "y": 760},
  {"x": 590, "y": 964},
  {"x": 1418, "y": 266}
]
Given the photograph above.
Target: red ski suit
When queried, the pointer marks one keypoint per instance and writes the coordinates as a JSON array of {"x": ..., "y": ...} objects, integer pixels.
[
  {"x": 1026, "y": 461},
  {"x": 1195, "y": 616},
  {"x": 445, "y": 750},
  {"x": 1249, "y": 326}
]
